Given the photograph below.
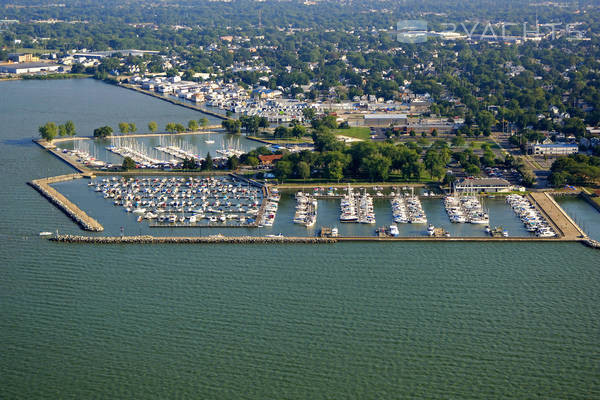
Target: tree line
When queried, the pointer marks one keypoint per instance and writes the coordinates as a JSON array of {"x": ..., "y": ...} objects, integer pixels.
[{"x": 51, "y": 130}]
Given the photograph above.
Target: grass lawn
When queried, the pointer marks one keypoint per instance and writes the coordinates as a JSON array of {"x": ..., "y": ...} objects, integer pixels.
[
  {"x": 272, "y": 140},
  {"x": 476, "y": 144},
  {"x": 355, "y": 132}
]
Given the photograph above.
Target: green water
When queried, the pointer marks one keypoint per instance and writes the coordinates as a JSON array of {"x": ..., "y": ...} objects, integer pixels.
[{"x": 366, "y": 320}]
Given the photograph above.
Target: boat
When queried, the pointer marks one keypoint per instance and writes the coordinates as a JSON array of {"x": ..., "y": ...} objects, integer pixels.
[
  {"x": 334, "y": 232},
  {"x": 394, "y": 230},
  {"x": 45, "y": 233}
]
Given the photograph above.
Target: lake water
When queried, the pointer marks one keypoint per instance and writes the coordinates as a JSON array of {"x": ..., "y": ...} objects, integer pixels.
[{"x": 351, "y": 320}]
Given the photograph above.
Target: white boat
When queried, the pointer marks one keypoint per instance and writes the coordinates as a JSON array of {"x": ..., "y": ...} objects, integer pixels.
[
  {"x": 45, "y": 233},
  {"x": 394, "y": 230},
  {"x": 334, "y": 232}
]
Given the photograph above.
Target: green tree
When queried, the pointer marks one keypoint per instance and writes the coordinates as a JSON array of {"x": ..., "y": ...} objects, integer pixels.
[
  {"x": 103, "y": 132},
  {"x": 233, "y": 163},
  {"x": 123, "y": 127},
  {"x": 298, "y": 131},
  {"x": 48, "y": 131},
  {"x": 203, "y": 121},
  {"x": 62, "y": 130},
  {"x": 281, "y": 131},
  {"x": 193, "y": 125},
  {"x": 179, "y": 128},
  {"x": 128, "y": 163},
  {"x": 132, "y": 127},
  {"x": 171, "y": 127},
  {"x": 303, "y": 170},
  {"x": 152, "y": 126},
  {"x": 70, "y": 127},
  {"x": 207, "y": 163},
  {"x": 231, "y": 126},
  {"x": 283, "y": 169}
]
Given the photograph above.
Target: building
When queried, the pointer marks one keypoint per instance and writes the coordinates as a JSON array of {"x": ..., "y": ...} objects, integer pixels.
[
  {"x": 98, "y": 55},
  {"x": 379, "y": 120},
  {"x": 22, "y": 57},
  {"x": 482, "y": 185},
  {"x": 269, "y": 159},
  {"x": 28, "y": 68},
  {"x": 554, "y": 149}
]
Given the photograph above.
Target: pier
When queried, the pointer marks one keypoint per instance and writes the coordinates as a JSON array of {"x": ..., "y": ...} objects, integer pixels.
[
  {"x": 556, "y": 216},
  {"x": 71, "y": 210}
]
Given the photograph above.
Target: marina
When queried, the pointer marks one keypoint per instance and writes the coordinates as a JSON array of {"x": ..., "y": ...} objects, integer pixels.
[
  {"x": 299, "y": 318},
  {"x": 186, "y": 202}
]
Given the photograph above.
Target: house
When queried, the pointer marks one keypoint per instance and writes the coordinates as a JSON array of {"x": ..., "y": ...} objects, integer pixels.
[{"x": 270, "y": 159}]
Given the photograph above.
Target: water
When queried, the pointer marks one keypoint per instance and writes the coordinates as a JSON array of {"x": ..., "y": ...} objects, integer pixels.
[{"x": 351, "y": 320}]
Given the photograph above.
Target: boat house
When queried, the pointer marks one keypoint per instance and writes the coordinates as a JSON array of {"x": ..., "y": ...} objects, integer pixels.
[{"x": 482, "y": 185}]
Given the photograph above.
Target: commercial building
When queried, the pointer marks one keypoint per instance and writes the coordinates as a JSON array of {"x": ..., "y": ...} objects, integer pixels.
[
  {"x": 28, "y": 68},
  {"x": 482, "y": 185},
  {"x": 554, "y": 149}
]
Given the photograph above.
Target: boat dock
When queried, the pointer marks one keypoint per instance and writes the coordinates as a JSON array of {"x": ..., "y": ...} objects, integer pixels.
[
  {"x": 556, "y": 216},
  {"x": 71, "y": 210}
]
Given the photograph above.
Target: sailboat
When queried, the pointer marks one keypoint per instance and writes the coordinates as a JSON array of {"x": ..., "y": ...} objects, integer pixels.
[{"x": 209, "y": 140}]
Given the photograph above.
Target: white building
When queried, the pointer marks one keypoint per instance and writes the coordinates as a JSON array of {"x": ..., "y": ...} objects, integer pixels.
[{"x": 554, "y": 149}]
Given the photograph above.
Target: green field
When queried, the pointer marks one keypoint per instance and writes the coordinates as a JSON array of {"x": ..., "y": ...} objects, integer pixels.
[{"x": 355, "y": 132}]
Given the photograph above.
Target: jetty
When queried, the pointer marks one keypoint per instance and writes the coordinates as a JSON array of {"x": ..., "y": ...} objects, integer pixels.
[
  {"x": 71, "y": 210},
  {"x": 175, "y": 102},
  {"x": 215, "y": 239}
]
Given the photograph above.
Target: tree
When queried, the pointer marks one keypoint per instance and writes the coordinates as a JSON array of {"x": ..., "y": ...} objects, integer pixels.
[
  {"x": 281, "y": 131},
  {"x": 128, "y": 163},
  {"x": 62, "y": 130},
  {"x": 233, "y": 163},
  {"x": 123, "y": 127},
  {"x": 207, "y": 164},
  {"x": 70, "y": 127},
  {"x": 193, "y": 125},
  {"x": 203, "y": 121},
  {"x": 283, "y": 169},
  {"x": 103, "y": 132},
  {"x": 48, "y": 131},
  {"x": 179, "y": 128},
  {"x": 377, "y": 167},
  {"x": 309, "y": 113},
  {"x": 152, "y": 126},
  {"x": 298, "y": 131},
  {"x": 171, "y": 127},
  {"x": 132, "y": 127},
  {"x": 231, "y": 126},
  {"x": 189, "y": 163},
  {"x": 303, "y": 170}
]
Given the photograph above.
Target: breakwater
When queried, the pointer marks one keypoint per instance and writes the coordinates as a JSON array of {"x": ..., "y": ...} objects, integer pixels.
[
  {"x": 188, "y": 240},
  {"x": 71, "y": 210}
]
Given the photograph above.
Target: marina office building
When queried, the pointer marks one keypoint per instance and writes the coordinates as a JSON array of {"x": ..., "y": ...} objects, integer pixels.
[{"x": 482, "y": 185}]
